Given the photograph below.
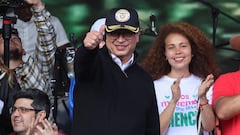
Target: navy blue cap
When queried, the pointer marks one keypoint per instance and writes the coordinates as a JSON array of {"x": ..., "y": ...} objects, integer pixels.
[{"x": 122, "y": 18}]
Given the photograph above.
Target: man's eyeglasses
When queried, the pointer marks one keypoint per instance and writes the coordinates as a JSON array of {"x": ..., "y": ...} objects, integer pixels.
[{"x": 22, "y": 109}]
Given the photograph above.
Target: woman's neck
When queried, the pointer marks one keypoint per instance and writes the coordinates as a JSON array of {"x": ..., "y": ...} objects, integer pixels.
[{"x": 177, "y": 74}]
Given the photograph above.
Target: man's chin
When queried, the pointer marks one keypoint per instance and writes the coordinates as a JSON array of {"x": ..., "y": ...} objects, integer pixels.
[{"x": 18, "y": 129}]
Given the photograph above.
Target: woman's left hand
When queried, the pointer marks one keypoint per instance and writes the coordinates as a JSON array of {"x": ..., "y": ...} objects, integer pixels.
[{"x": 205, "y": 85}]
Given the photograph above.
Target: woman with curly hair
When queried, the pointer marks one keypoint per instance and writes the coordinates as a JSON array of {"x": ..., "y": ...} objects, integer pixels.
[{"x": 182, "y": 64}]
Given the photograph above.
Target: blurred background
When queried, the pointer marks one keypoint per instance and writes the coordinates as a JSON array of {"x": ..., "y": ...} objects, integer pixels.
[{"x": 219, "y": 19}]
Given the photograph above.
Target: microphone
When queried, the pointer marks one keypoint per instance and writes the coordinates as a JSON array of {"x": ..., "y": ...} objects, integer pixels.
[
  {"x": 153, "y": 24},
  {"x": 235, "y": 42}
]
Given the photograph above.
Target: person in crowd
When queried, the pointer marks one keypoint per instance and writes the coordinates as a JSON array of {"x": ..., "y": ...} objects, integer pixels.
[
  {"x": 226, "y": 97},
  {"x": 32, "y": 73},
  {"x": 113, "y": 94},
  {"x": 182, "y": 64},
  {"x": 29, "y": 114},
  {"x": 28, "y": 31}
]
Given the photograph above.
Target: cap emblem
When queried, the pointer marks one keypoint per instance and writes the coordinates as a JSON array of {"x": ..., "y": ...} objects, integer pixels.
[{"x": 122, "y": 15}]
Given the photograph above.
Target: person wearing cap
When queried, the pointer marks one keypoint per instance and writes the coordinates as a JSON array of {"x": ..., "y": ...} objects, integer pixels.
[
  {"x": 113, "y": 95},
  {"x": 226, "y": 97},
  {"x": 33, "y": 73}
]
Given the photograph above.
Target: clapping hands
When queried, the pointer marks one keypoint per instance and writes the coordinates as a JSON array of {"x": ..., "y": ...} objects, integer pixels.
[{"x": 41, "y": 126}]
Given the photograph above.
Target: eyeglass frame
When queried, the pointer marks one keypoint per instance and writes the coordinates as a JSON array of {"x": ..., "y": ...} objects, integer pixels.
[{"x": 22, "y": 110}]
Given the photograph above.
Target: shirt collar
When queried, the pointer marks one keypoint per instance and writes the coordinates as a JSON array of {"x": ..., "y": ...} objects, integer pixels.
[{"x": 119, "y": 63}]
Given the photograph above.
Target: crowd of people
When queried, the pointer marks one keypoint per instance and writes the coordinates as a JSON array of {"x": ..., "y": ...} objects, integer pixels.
[{"x": 177, "y": 88}]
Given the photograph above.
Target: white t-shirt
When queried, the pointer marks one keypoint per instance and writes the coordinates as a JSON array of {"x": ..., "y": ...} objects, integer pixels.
[
  {"x": 184, "y": 120},
  {"x": 28, "y": 33}
]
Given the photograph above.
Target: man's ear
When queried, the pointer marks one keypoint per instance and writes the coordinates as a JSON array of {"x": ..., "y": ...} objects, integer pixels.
[
  {"x": 42, "y": 114},
  {"x": 138, "y": 36}
]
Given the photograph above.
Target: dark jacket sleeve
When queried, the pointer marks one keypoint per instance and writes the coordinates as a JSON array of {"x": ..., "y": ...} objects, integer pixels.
[{"x": 84, "y": 62}]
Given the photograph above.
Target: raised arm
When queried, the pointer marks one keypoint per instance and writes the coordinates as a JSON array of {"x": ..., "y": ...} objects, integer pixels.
[
  {"x": 46, "y": 42},
  {"x": 86, "y": 54}
]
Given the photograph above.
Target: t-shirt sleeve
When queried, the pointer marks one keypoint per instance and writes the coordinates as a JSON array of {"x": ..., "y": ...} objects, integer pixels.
[{"x": 61, "y": 36}]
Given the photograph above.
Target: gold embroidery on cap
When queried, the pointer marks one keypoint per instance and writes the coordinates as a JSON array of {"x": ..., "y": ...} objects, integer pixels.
[{"x": 127, "y": 27}]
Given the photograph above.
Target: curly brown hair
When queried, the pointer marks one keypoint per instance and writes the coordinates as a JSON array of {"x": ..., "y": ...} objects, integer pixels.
[{"x": 202, "y": 64}]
